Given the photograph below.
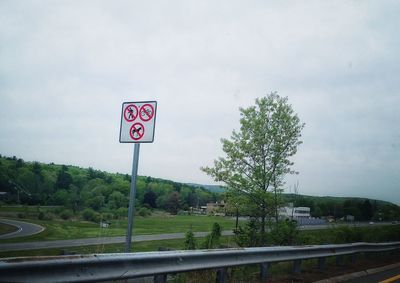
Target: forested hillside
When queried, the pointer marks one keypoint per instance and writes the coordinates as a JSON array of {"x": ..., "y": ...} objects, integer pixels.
[
  {"x": 339, "y": 207},
  {"x": 77, "y": 188},
  {"x": 93, "y": 191}
]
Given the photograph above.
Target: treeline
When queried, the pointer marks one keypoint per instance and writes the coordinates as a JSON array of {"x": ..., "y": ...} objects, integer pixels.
[
  {"x": 340, "y": 207},
  {"x": 77, "y": 189}
]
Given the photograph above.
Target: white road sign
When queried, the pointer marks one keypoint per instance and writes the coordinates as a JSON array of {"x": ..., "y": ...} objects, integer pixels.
[{"x": 138, "y": 121}]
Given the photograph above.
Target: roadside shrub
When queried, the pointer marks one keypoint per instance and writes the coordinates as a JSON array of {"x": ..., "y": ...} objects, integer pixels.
[
  {"x": 382, "y": 234},
  {"x": 284, "y": 233},
  {"x": 66, "y": 214},
  {"x": 121, "y": 212},
  {"x": 190, "y": 241},
  {"x": 183, "y": 212},
  {"x": 248, "y": 236},
  {"x": 45, "y": 215},
  {"x": 144, "y": 212},
  {"x": 90, "y": 215},
  {"x": 310, "y": 238},
  {"x": 41, "y": 215},
  {"x": 346, "y": 234},
  {"x": 211, "y": 241},
  {"x": 107, "y": 216}
]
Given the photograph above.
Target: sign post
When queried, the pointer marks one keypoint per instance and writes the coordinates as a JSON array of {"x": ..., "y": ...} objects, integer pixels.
[{"x": 137, "y": 126}]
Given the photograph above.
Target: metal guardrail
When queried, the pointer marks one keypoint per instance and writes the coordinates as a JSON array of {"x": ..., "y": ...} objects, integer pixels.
[{"x": 101, "y": 267}]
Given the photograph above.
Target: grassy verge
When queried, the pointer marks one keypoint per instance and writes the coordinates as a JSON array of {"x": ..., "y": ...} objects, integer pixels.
[
  {"x": 64, "y": 230},
  {"x": 348, "y": 234},
  {"x": 113, "y": 248},
  {"x": 5, "y": 228}
]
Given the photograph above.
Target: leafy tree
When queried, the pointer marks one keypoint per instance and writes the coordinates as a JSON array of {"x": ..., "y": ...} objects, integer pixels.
[
  {"x": 37, "y": 170},
  {"x": 64, "y": 179},
  {"x": 116, "y": 200},
  {"x": 367, "y": 210},
  {"x": 60, "y": 197},
  {"x": 237, "y": 204},
  {"x": 317, "y": 212},
  {"x": 91, "y": 174},
  {"x": 258, "y": 156},
  {"x": 150, "y": 198},
  {"x": 20, "y": 163},
  {"x": 173, "y": 204}
]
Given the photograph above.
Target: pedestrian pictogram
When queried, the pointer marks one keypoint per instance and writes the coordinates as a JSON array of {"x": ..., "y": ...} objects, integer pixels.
[
  {"x": 138, "y": 122},
  {"x": 130, "y": 113},
  {"x": 137, "y": 131},
  {"x": 146, "y": 112}
]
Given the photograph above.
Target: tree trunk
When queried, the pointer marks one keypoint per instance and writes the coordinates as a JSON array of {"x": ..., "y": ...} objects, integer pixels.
[
  {"x": 263, "y": 216},
  {"x": 276, "y": 209},
  {"x": 237, "y": 218}
]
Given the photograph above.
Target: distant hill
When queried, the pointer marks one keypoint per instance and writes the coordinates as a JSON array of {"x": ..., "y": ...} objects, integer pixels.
[
  {"x": 87, "y": 189},
  {"x": 79, "y": 189},
  {"x": 290, "y": 197},
  {"x": 211, "y": 188},
  {"x": 293, "y": 197}
]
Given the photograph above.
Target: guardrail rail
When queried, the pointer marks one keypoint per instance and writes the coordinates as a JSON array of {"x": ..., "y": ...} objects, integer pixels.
[{"x": 102, "y": 267}]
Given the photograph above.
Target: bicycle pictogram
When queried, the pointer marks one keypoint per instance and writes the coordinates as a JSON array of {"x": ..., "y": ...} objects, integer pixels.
[{"x": 146, "y": 112}]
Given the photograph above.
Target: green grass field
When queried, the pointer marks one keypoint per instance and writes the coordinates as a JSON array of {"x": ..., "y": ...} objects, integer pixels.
[
  {"x": 114, "y": 248},
  {"x": 5, "y": 229},
  {"x": 63, "y": 230}
]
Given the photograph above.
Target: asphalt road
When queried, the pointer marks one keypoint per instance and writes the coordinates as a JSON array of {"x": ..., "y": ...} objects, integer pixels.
[
  {"x": 392, "y": 276},
  {"x": 24, "y": 229}
]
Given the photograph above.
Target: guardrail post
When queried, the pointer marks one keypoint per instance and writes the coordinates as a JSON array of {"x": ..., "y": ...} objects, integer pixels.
[
  {"x": 339, "y": 260},
  {"x": 221, "y": 275},
  {"x": 264, "y": 270},
  {"x": 297, "y": 266},
  {"x": 353, "y": 258},
  {"x": 321, "y": 263},
  {"x": 160, "y": 278}
]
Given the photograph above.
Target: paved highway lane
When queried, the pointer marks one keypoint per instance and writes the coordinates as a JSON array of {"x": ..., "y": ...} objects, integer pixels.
[
  {"x": 386, "y": 276},
  {"x": 24, "y": 229}
]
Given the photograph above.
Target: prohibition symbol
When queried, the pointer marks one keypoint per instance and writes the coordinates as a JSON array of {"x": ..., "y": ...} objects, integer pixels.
[
  {"x": 146, "y": 112},
  {"x": 137, "y": 122},
  {"x": 137, "y": 131},
  {"x": 131, "y": 113}
]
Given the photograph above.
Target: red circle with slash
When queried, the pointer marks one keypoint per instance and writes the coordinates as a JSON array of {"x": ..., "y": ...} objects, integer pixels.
[
  {"x": 136, "y": 131},
  {"x": 146, "y": 112},
  {"x": 131, "y": 112}
]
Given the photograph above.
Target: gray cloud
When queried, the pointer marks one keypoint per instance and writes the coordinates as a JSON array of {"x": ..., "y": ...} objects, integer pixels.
[{"x": 66, "y": 67}]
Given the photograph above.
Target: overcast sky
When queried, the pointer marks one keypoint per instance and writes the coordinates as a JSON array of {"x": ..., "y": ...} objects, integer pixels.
[{"x": 67, "y": 66}]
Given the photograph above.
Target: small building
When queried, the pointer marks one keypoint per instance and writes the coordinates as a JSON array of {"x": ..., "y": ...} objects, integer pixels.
[
  {"x": 288, "y": 212},
  {"x": 216, "y": 208},
  {"x": 105, "y": 224},
  {"x": 198, "y": 210}
]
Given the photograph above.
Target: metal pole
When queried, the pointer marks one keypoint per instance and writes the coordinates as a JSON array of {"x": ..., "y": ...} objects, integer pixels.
[{"x": 132, "y": 197}]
